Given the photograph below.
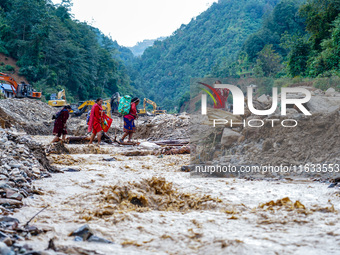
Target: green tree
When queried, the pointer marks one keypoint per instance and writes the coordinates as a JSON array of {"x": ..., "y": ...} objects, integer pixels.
[
  {"x": 319, "y": 15},
  {"x": 269, "y": 61},
  {"x": 298, "y": 58}
]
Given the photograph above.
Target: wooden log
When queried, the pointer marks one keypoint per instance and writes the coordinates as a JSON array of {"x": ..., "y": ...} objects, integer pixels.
[{"x": 85, "y": 139}]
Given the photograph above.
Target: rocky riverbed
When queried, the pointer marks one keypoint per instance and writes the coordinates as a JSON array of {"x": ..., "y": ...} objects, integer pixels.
[
  {"x": 147, "y": 205},
  {"x": 113, "y": 199}
]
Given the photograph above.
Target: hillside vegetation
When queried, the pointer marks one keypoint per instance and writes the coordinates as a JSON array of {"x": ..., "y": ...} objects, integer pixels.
[
  {"x": 285, "y": 41},
  {"x": 214, "y": 37},
  {"x": 298, "y": 42},
  {"x": 54, "y": 51},
  {"x": 140, "y": 47}
]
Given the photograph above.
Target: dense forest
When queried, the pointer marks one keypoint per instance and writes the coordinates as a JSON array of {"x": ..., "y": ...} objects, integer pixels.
[
  {"x": 195, "y": 49},
  {"x": 281, "y": 40},
  {"x": 297, "y": 39},
  {"x": 286, "y": 41},
  {"x": 55, "y": 51}
]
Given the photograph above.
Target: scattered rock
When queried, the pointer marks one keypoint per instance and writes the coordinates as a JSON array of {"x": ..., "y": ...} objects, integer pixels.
[
  {"x": 229, "y": 137},
  {"x": 32, "y": 116},
  {"x": 330, "y": 92},
  {"x": 84, "y": 233},
  {"x": 5, "y": 250},
  {"x": 323, "y": 104},
  {"x": 68, "y": 169},
  {"x": 6, "y": 202},
  {"x": 97, "y": 239},
  {"x": 109, "y": 159},
  {"x": 263, "y": 99}
]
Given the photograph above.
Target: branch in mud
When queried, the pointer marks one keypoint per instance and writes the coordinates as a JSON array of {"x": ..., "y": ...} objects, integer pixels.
[{"x": 35, "y": 215}]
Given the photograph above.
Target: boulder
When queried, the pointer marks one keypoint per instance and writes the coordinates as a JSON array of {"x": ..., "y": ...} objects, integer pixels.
[
  {"x": 13, "y": 202},
  {"x": 229, "y": 137},
  {"x": 5, "y": 250},
  {"x": 323, "y": 104},
  {"x": 330, "y": 92},
  {"x": 263, "y": 99}
]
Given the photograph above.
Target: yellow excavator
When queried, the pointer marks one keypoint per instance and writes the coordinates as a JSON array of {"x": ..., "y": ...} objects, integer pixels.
[
  {"x": 109, "y": 106},
  {"x": 154, "y": 105},
  {"x": 87, "y": 105},
  {"x": 58, "y": 101}
]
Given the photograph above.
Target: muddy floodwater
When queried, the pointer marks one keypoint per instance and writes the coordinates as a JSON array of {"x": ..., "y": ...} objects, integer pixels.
[{"x": 147, "y": 205}]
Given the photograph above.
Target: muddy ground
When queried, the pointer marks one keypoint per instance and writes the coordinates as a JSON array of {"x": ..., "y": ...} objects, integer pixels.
[{"x": 147, "y": 205}]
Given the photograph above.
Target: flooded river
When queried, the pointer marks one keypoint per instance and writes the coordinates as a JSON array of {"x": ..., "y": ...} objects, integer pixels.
[{"x": 146, "y": 205}]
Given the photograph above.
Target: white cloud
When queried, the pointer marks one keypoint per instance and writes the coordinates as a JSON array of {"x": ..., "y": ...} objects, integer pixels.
[{"x": 130, "y": 21}]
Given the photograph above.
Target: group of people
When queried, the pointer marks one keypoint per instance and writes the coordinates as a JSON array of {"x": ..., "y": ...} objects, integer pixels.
[{"x": 95, "y": 122}]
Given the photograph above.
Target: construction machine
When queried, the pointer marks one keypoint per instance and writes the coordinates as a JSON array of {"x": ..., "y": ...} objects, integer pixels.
[
  {"x": 20, "y": 90},
  {"x": 84, "y": 106},
  {"x": 114, "y": 101},
  {"x": 58, "y": 101},
  {"x": 156, "y": 110},
  {"x": 110, "y": 106}
]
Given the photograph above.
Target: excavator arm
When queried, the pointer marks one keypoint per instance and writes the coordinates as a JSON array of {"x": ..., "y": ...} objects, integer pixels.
[
  {"x": 146, "y": 100},
  {"x": 11, "y": 81},
  {"x": 154, "y": 105},
  {"x": 62, "y": 94}
]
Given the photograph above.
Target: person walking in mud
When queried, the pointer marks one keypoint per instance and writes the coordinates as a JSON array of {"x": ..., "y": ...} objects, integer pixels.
[
  {"x": 129, "y": 120},
  {"x": 60, "y": 124},
  {"x": 95, "y": 121}
]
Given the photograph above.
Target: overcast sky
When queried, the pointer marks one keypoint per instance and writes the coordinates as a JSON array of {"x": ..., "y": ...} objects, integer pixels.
[{"x": 131, "y": 21}]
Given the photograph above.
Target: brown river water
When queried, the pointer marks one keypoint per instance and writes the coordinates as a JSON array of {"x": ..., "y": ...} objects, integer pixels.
[{"x": 146, "y": 205}]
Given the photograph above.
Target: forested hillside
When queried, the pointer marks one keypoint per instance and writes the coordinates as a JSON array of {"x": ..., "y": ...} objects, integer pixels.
[
  {"x": 140, "y": 47},
  {"x": 299, "y": 39},
  {"x": 54, "y": 51},
  {"x": 280, "y": 40},
  {"x": 193, "y": 50}
]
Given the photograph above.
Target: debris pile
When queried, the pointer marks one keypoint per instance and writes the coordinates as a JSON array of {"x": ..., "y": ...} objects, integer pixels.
[
  {"x": 22, "y": 160},
  {"x": 149, "y": 194},
  {"x": 164, "y": 126},
  {"x": 32, "y": 116},
  {"x": 315, "y": 139},
  {"x": 11, "y": 231}
]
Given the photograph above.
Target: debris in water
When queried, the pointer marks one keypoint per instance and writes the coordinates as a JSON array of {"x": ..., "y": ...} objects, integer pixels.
[
  {"x": 109, "y": 159},
  {"x": 150, "y": 194},
  {"x": 68, "y": 169}
]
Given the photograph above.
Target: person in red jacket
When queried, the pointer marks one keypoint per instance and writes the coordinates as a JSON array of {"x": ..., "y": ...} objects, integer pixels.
[
  {"x": 95, "y": 121},
  {"x": 60, "y": 124},
  {"x": 129, "y": 120}
]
